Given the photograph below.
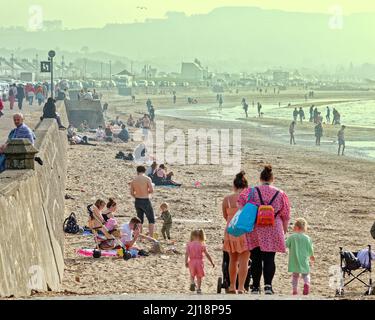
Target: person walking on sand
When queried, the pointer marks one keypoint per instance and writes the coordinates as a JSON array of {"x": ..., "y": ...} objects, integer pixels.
[
  {"x": 146, "y": 125},
  {"x": 341, "y": 140},
  {"x": 12, "y": 95},
  {"x": 301, "y": 255},
  {"x": 245, "y": 108},
  {"x": 311, "y": 113},
  {"x": 318, "y": 133},
  {"x": 266, "y": 240},
  {"x": 20, "y": 95},
  {"x": 220, "y": 103},
  {"x": 167, "y": 221},
  {"x": 259, "y": 109},
  {"x": 301, "y": 114},
  {"x": 295, "y": 114},
  {"x": 315, "y": 115},
  {"x": 195, "y": 250},
  {"x": 1, "y": 107},
  {"x": 292, "y": 129},
  {"x": 328, "y": 115},
  {"x": 235, "y": 247},
  {"x": 141, "y": 189}
]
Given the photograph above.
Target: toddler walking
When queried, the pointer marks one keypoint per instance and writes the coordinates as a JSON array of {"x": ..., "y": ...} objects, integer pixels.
[
  {"x": 301, "y": 254},
  {"x": 167, "y": 221},
  {"x": 194, "y": 259}
]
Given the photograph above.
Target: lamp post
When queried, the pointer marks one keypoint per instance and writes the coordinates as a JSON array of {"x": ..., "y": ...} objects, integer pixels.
[
  {"x": 51, "y": 55},
  {"x": 12, "y": 61},
  {"x": 110, "y": 72}
]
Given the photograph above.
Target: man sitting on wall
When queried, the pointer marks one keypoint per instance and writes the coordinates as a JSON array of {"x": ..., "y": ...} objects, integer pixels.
[{"x": 22, "y": 131}]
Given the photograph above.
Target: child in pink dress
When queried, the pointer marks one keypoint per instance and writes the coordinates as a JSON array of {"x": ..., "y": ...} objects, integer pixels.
[{"x": 194, "y": 258}]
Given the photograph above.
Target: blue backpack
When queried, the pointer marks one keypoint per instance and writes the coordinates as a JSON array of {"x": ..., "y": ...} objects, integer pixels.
[{"x": 244, "y": 219}]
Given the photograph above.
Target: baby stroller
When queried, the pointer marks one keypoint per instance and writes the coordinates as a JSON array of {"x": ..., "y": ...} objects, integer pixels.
[
  {"x": 224, "y": 282},
  {"x": 352, "y": 268}
]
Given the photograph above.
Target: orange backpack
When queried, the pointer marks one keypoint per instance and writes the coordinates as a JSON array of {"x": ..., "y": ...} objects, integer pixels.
[{"x": 266, "y": 213}]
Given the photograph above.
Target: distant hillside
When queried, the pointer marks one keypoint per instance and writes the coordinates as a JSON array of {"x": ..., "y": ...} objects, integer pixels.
[{"x": 227, "y": 38}]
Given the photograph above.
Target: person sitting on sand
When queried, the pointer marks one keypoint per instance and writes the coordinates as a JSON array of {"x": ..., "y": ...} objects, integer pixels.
[
  {"x": 117, "y": 122},
  {"x": 138, "y": 124},
  {"x": 83, "y": 126},
  {"x": 195, "y": 251},
  {"x": 100, "y": 134},
  {"x": 96, "y": 220},
  {"x": 108, "y": 134},
  {"x": 70, "y": 131},
  {"x": 167, "y": 221},
  {"x": 131, "y": 232},
  {"x": 162, "y": 178},
  {"x": 130, "y": 121},
  {"x": 111, "y": 208},
  {"x": 150, "y": 172},
  {"x": 76, "y": 139},
  {"x": 124, "y": 134}
]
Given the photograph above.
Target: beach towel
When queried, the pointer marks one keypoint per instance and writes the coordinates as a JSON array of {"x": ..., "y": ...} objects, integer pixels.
[
  {"x": 85, "y": 252},
  {"x": 168, "y": 186},
  {"x": 363, "y": 258}
]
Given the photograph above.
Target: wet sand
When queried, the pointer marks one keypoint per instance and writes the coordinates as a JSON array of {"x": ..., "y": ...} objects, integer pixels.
[{"x": 335, "y": 194}]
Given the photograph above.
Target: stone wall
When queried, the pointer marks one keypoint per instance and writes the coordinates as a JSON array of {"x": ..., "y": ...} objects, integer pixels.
[
  {"x": 31, "y": 217},
  {"x": 89, "y": 110}
]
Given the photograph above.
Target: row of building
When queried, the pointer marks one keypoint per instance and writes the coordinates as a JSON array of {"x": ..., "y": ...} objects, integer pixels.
[{"x": 190, "y": 71}]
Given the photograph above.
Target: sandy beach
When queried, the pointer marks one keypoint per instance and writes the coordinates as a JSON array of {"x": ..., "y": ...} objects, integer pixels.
[{"x": 334, "y": 194}]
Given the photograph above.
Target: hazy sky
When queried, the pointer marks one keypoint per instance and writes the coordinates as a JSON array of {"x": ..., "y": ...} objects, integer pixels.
[{"x": 97, "y": 13}]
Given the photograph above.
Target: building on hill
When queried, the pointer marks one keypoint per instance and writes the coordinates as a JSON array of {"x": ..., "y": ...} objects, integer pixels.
[
  {"x": 192, "y": 71},
  {"x": 281, "y": 76}
]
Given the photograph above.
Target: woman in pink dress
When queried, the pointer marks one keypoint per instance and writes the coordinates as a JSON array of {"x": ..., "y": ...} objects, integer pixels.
[
  {"x": 265, "y": 241},
  {"x": 236, "y": 247},
  {"x": 195, "y": 250}
]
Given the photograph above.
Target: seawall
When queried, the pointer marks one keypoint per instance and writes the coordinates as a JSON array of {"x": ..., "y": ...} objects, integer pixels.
[{"x": 31, "y": 216}]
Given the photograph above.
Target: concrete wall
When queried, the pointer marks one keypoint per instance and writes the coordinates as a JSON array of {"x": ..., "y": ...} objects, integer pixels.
[
  {"x": 31, "y": 217},
  {"x": 89, "y": 110}
]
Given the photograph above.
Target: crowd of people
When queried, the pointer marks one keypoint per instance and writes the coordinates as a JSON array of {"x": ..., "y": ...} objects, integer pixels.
[
  {"x": 29, "y": 92},
  {"x": 317, "y": 118}
]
